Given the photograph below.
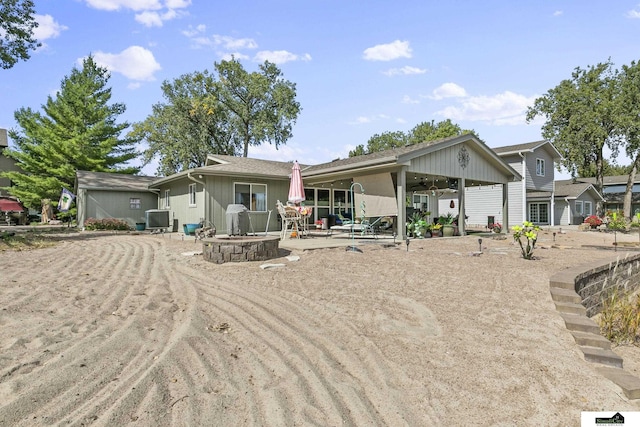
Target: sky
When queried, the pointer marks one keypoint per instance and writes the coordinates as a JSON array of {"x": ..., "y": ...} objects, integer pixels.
[{"x": 360, "y": 67}]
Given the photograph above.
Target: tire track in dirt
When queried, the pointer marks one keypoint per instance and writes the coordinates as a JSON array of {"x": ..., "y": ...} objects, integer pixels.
[
  {"x": 301, "y": 345},
  {"x": 90, "y": 369}
]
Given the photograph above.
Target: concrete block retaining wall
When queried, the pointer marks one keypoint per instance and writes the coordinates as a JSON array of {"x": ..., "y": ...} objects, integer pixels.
[
  {"x": 245, "y": 249},
  {"x": 593, "y": 283}
]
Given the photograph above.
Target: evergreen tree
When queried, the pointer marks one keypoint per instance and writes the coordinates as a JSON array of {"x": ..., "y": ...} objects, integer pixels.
[{"x": 78, "y": 131}]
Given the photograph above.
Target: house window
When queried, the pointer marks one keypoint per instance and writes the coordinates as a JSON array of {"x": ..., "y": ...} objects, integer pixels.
[
  {"x": 588, "y": 208},
  {"x": 192, "y": 194},
  {"x": 166, "y": 199},
  {"x": 421, "y": 202},
  {"x": 252, "y": 196},
  {"x": 579, "y": 210},
  {"x": 134, "y": 203},
  {"x": 540, "y": 167},
  {"x": 539, "y": 213}
]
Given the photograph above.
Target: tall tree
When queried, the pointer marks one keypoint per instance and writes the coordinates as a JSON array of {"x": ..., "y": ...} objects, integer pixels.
[
  {"x": 430, "y": 131},
  {"x": 422, "y": 132},
  {"x": 78, "y": 131},
  {"x": 186, "y": 128},
  {"x": 630, "y": 116},
  {"x": 381, "y": 142},
  {"x": 220, "y": 113},
  {"x": 17, "y": 23},
  {"x": 582, "y": 117},
  {"x": 261, "y": 106},
  {"x": 609, "y": 169}
]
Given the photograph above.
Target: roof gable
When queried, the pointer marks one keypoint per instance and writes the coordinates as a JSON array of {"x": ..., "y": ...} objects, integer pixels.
[
  {"x": 112, "y": 181},
  {"x": 528, "y": 147}
]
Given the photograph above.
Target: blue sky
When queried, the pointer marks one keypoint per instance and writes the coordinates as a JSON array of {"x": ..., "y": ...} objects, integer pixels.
[{"x": 360, "y": 67}]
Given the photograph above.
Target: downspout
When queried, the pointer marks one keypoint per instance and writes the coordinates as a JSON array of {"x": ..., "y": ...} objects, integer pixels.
[
  {"x": 524, "y": 186},
  {"x": 553, "y": 205},
  {"x": 566, "y": 199}
]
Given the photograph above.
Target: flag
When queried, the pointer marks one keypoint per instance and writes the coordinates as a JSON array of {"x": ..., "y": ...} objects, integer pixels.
[{"x": 64, "y": 204}]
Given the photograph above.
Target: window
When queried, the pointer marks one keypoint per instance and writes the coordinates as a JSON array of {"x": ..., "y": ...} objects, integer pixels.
[
  {"x": 192, "y": 194},
  {"x": 166, "y": 199},
  {"x": 421, "y": 202},
  {"x": 540, "y": 167},
  {"x": 252, "y": 196},
  {"x": 134, "y": 203},
  {"x": 579, "y": 209},
  {"x": 539, "y": 213},
  {"x": 588, "y": 208}
]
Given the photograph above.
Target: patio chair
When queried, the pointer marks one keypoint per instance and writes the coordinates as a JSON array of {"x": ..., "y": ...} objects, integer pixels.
[{"x": 290, "y": 220}]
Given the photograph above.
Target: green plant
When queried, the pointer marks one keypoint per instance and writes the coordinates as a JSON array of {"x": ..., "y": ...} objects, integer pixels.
[
  {"x": 529, "y": 233},
  {"x": 616, "y": 221},
  {"x": 446, "y": 219}
]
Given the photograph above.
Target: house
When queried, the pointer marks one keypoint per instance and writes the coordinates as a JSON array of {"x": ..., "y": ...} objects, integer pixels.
[
  {"x": 102, "y": 195},
  {"x": 573, "y": 201},
  {"x": 6, "y": 164},
  {"x": 531, "y": 197},
  {"x": 613, "y": 190},
  {"x": 382, "y": 181}
]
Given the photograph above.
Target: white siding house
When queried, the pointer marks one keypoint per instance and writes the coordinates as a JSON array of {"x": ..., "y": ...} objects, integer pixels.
[{"x": 535, "y": 162}]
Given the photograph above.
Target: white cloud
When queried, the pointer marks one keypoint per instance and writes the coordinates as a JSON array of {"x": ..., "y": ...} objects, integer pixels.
[
  {"x": 634, "y": 14},
  {"x": 233, "y": 43},
  {"x": 405, "y": 71},
  {"x": 505, "y": 108},
  {"x": 135, "y": 5},
  {"x": 192, "y": 31},
  {"x": 408, "y": 100},
  {"x": 47, "y": 28},
  {"x": 151, "y": 13},
  {"x": 279, "y": 56},
  {"x": 364, "y": 119},
  {"x": 448, "y": 90},
  {"x": 558, "y": 13},
  {"x": 387, "y": 52},
  {"x": 135, "y": 63}
]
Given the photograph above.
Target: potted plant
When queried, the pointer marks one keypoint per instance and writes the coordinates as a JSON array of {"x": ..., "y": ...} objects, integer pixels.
[
  {"x": 448, "y": 228},
  {"x": 422, "y": 228},
  {"x": 436, "y": 229},
  {"x": 496, "y": 227},
  {"x": 593, "y": 220},
  {"x": 412, "y": 223}
]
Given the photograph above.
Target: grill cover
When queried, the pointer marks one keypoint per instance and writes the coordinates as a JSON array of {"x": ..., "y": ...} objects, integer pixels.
[{"x": 237, "y": 220}]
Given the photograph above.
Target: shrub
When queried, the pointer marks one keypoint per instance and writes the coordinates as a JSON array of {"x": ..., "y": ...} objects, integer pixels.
[
  {"x": 106, "y": 224},
  {"x": 620, "y": 318},
  {"x": 593, "y": 220},
  {"x": 528, "y": 232},
  {"x": 616, "y": 221}
]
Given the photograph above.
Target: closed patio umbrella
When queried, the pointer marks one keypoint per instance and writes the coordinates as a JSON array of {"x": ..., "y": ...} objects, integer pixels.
[{"x": 296, "y": 189}]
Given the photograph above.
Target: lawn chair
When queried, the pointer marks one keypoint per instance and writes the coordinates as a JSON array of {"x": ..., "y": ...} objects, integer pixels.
[{"x": 291, "y": 218}]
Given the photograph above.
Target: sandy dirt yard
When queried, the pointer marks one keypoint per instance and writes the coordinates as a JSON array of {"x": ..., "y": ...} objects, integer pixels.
[{"x": 128, "y": 329}]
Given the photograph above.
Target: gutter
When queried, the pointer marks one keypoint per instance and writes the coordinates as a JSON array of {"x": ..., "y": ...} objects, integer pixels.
[{"x": 194, "y": 180}]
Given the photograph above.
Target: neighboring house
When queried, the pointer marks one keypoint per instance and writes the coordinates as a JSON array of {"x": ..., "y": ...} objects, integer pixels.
[
  {"x": 613, "y": 189},
  {"x": 574, "y": 201},
  {"x": 535, "y": 164},
  {"x": 203, "y": 194},
  {"x": 6, "y": 164},
  {"x": 102, "y": 195}
]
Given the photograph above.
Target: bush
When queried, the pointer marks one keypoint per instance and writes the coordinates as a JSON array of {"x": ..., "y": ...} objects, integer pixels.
[
  {"x": 620, "y": 318},
  {"x": 616, "y": 221},
  {"x": 593, "y": 221},
  {"x": 106, "y": 224}
]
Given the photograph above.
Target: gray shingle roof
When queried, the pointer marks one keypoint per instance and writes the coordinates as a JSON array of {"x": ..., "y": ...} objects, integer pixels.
[
  {"x": 564, "y": 188},
  {"x": 115, "y": 181}
]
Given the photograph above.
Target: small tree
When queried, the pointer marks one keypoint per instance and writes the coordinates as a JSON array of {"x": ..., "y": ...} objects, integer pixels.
[{"x": 526, "y": 235}]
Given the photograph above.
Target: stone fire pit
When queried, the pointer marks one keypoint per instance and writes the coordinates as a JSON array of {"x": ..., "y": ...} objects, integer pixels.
[{"x": 240, "y": 248}]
